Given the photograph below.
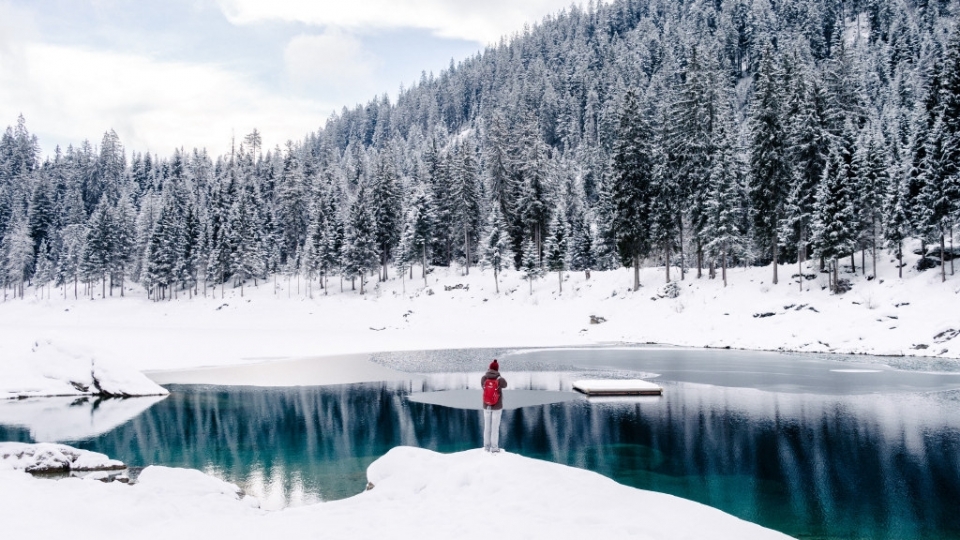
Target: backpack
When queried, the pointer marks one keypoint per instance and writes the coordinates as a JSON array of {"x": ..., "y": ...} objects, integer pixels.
[{"x": 491, "y": 391}]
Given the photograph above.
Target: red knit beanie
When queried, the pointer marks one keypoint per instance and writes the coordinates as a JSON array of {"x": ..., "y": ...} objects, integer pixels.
[{"x": 494, "y": 365}]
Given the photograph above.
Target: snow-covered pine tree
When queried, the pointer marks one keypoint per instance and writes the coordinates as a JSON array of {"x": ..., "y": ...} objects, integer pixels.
[
  {"x": 808, "y": 148},
  {"x": 534, "y": 193},
  {"x": 360, "y": 253},
  {"x": 725, "y": 204},
  {"x": 834, "y": 214},
  {"x": 632, "y": 189},
  {"x": 45, "y": 268},
  {"x": 872, "y": 176},
  {"x": 99, "y": 248},
  {"x": 495, "y": 246},
  {"x": 72, "y": 238},
  {"x": 530, "y": 265},
  {"x": 385, "y": 205},
  {"x": 247, "y": 260},
  {"x": 556, "y": 249},
  {"x": 17, "y": 251},
  {"x": 418, "y": 229},
  {"x": 581, "y": 241},
  {"x": 467, "y": 198},
  {"x": 124, "y": 240},
  {"x": 769, "y": 171}
]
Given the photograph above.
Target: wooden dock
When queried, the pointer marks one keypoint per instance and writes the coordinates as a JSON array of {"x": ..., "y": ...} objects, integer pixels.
[{"x": 618, "y": 387}]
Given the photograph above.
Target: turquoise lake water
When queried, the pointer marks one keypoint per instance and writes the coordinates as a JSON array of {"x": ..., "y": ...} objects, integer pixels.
[{"x": 814, "y": 447}]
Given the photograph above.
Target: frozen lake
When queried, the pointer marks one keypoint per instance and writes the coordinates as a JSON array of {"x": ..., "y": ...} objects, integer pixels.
[{"x": 814, "y": 447}]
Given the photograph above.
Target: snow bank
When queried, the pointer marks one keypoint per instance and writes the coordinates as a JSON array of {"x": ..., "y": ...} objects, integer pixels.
[
  {"x": 47, "y": 457},
  {"x": 417, "y": 494},
  {"x": 49, "y": 368}
]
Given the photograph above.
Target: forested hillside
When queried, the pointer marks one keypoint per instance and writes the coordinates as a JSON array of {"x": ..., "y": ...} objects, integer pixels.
[{"x": 696, "y": 135}]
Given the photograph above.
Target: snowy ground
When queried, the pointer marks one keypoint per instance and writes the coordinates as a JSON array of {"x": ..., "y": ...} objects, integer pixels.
[
  {"x": 417, "y": 494},
  {"x": 887, "y": 316}
]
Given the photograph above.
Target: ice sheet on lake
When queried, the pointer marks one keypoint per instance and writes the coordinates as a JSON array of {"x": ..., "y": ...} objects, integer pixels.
[{"x": 473, "y": 399}]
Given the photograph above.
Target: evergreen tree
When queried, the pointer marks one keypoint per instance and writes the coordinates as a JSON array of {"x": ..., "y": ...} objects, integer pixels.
[
  {"x": 418, "y": 229},
  {"x": 769, "y": 173},
  {"x": 834, "y": 216},
  {"x": 530, "y": 265},
  {"x": 17, "y": 251},
  {"x": 99, "y": 247},
  {"x": 723, "y": 231},
  {"x": 556, "y": 248},
  {"x": 631, "y": 191},
  {"x": 467, "y": 194},
  {"x": 385, "y": 201},
  {"x": 360, "y": 253},
  {"x": 581, "y": 242},
  {"x": 896, "y": 220},
  {"x": 45, "y": 271},
  {"x": 496, "y": 252}
]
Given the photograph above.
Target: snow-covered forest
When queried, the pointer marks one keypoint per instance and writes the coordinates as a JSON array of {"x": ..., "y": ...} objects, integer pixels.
[{"x": 687, "y": 135}]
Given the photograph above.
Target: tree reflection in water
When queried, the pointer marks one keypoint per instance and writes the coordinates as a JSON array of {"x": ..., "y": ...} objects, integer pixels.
[{"x": 872, "y": 466}]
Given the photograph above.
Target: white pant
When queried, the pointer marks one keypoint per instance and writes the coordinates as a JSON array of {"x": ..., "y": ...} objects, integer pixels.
[{"x": 491, "y": 428}]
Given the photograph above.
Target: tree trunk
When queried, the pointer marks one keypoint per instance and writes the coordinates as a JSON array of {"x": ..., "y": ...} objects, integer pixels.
[
  {"x": 775, "y": 255},
  {"x": 496, "y": 280},
  {"x": 723, "y": 262},
  {"x": 943, "y": 265},
  {"x": 699, "y": 259},
  {"x": 560, "y": 279},
  {"x": 666, "y": 249},
  {"x": 900, "y": 259},
  {"x": 683, "y": 252},
  {"x": 424, "y": 264},
  {"x": 636, "y": 272},
  {"x": 951, "y": 251},
  {"x": 587, "y": 272},
  {"x": 466, "y": 250},
  {"x": 853, "y": 261}
]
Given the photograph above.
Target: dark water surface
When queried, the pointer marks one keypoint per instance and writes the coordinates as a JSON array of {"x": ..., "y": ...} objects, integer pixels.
[{"x": 813, "y": 447}]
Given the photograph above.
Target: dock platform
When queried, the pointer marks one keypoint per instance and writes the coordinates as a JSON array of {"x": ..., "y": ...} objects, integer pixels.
[{"x": 618, "y": 387}]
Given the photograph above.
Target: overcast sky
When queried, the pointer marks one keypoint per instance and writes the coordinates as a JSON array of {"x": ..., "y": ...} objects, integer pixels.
[{"x": 168, "y": 73}]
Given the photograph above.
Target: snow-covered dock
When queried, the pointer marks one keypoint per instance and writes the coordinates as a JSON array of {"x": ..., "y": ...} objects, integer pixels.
[{"x": 618, "y": 387}]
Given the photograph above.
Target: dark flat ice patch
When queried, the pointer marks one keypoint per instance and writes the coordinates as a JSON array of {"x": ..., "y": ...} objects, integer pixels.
[{"x": 512, "y": 399}]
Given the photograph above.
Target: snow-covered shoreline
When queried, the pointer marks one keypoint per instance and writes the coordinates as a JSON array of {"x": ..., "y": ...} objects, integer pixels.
[
  {"x": 413, "y": 493},
  {"x": 916, "y": 315}
]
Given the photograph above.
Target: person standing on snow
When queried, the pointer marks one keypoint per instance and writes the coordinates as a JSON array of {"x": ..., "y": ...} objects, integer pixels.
[{"x": 492, "y": 384}]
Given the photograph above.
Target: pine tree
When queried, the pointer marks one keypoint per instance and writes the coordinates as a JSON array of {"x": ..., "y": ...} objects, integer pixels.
[
  {"x": 418, "y": 227},
  {"x": 360, "y": 253},
  {"x": 466, "y": 194},
  {"x": 99, "y": 248},
  {"x": 245, "y": 227},
  {"x": 45, "y": 267},
  {"x": 530, "y": 265},
  {"x": 769, "y": 173},
  {"x": 723, "y": 231},
  {"x": 632, "y": 192},
  {"x": 495, "y": 249},
  {"x": 18, "y": 255},
  {"x": 556, "y": 248},
  {"x": 581, "y": 242},
  {"x": 896, "y": 220},
  {"x": 834, "y": 215},
  {"x": 385, "y": 201}
]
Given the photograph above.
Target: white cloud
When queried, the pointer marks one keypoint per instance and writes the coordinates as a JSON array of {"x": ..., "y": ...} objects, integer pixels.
[
  {"x": 483, "y": 21},
  {"x": 70, "y": 94},
  {"x": 332, "y": 64}
]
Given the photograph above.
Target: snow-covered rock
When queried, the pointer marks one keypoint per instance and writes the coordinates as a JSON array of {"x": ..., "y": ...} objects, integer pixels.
[
  {"x": 417, "y": 494},
  {"x": 52, "y": 368},
  {"x": 49, "y": 457}
]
